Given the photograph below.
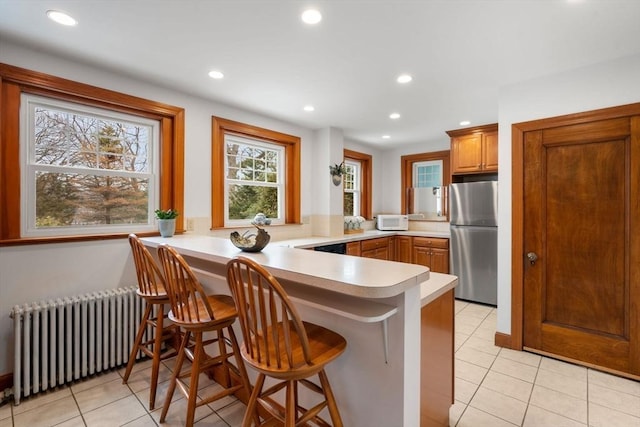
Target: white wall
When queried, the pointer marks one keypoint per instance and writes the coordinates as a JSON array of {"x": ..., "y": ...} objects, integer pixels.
[{"x": 598, "y": 86}]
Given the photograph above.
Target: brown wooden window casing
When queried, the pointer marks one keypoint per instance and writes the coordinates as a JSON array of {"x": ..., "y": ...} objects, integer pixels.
[
  {"x": 15, "y": 81},
  {"x": 366, "y": 168},
  {"x": 407, "y": 171},
  {"x": 291, "y": 144}
]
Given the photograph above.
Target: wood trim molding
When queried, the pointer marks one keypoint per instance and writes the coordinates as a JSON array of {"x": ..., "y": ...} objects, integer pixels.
[
  {"x": 517, "y": 204},
  {"x": 366, "y": 165},
  {"x": 14, "y": 81},
  {"x": 292, "y": 146},
  {"x": 406, "y": 171},
  {"x": 502, "y": 340},
  {"x": 493, "y": 127}
]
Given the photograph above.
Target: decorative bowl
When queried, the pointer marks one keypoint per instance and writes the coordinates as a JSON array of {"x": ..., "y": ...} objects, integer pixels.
[{"x": 250, "y": 242}]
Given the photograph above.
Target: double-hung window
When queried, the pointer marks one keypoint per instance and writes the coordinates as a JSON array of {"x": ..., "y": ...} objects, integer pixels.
[
  {"x": 86, "y": 170},
  {"x": 352, "y": 188},
  {"x": 254, "y": 180}
]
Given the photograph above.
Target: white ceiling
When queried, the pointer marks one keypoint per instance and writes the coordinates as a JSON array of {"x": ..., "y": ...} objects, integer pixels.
[{"x": 459, "y": 52}]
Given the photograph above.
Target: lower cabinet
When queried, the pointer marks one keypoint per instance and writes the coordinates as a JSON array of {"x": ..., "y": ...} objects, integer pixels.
[
  {"x": 436, "y": 361},
  {"x": 353, "y": 248},
  {"x": 403, "y": 248},
  {"x": 376, "y": 248},
  {"x": 431, "y": 252}
]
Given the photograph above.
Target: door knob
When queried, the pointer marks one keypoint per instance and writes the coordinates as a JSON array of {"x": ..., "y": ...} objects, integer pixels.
[{"x": 532, "y": 257}]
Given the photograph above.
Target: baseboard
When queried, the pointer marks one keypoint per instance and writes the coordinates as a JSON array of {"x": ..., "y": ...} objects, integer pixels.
[
  {"x": 6, "y": 381},
  {"x": 502, "y": 340}
]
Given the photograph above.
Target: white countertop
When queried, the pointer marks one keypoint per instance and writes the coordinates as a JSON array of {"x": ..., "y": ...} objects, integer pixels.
[
  {"x": 310, "y": 242},
  {"x": 437, "y": 285},
  {"x": 349, "y": 275}
]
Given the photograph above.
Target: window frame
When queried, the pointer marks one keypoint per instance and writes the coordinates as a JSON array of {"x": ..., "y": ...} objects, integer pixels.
[
  {"x": 291, "y": 145},
  {"x": 357, "y": 185},
  {"x": 366, "y": 179},
  {"x": 14, "y": 81},
  {"x": 280, "y": 183},
  {"x": 406, "y": 173}
]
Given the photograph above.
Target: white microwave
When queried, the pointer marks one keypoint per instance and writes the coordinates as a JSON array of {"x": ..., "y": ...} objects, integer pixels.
[{"x": 392, "y": 222}]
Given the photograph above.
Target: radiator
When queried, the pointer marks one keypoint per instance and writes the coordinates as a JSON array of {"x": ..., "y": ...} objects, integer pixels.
[{"x": 58, "y": 342}]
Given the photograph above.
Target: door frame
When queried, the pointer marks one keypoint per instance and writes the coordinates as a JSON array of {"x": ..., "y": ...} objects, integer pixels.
[{"x": 516, "y": 338}]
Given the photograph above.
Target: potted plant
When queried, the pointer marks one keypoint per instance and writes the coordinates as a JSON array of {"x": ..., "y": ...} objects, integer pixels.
[
  {"x": 166, "y": 221},
  {"x": 336, "y": 172}
]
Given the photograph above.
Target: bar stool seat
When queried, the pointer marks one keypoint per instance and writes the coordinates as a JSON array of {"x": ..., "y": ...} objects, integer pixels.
[
  {"x": 278, "y": 344},
  {"x": 151, "y": 287},
  {"x": 197, "y": 313}
]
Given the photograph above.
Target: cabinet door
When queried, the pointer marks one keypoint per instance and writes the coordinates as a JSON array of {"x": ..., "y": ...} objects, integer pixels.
[
  {"x": 490, "y": 154},
  {"x": 421, "y": 255},
  {"x": 466, "y": 153},
  {"x": 439, "y": 260},
  {"x": 379, "y": 253},
  {"x": 403, "y": 249},
  {"x": 353, "y": 248}
]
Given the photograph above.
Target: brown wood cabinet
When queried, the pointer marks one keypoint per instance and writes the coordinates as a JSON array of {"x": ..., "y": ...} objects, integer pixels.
[
  {"x": 353, "y": 248},
  {"x": 436, "y": 361},
  {"x": 403, "y": 248},
  {"x": 376, "y": 248},
  {"x": 474, "y": 150},
  {"x": 432, "y": 252}
]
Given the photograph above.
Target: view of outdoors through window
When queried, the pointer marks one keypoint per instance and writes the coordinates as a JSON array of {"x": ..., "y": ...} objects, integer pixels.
[
  {"x": 254, "y": 179},
  {"x": 351, "y": 182},
  {"x": 88, "y": 170}
]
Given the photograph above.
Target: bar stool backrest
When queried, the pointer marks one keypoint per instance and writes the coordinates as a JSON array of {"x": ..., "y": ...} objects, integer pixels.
[
  {"x": 269, "y": 321},
  {"x": 189, "y": 303},
  {"x": 150, "y": 279}
]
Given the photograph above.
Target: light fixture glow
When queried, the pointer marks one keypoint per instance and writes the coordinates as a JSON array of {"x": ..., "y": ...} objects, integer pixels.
[
  {"x": 215, "y": 74},
  {"x": 309, "y": 108},
  {"x": 61, "y": 18},
  {"x": 394, "y": 116},
  {"x": 311, "y": 16},
  {"x": 386, "y": 136},
  {"x": 465, "y": 122},
  {"x": 404, "y": 78}
]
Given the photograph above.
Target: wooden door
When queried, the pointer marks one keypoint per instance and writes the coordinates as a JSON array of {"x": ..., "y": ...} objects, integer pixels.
[
  {"x": 466, "y": 153},
  {"x": 403, "y": 249},
  {"x": 582, "y": 222},
  {"x": 439, "y": 260},
  {"x": 490, "y": 154},
  {"x": 421, "y": 255}
]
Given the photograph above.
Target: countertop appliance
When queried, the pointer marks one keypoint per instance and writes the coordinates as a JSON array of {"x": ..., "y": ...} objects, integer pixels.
[
  {"x": 392, "y": 222},
  {"x": 474, "y": 240}
]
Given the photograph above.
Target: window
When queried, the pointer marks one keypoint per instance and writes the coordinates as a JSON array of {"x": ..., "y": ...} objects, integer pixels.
[
  {"x": 357, "y": 184},
  {"x": 427, "y": 174},
  {"x": 352, "y": 191},
  {"x": 423, "y": 170},
  {"x": 254, "y": 180},
  {"x": 78, "y": 162},
  {"x": 86, "y": 168},
  {"x": 254, "y": 170}
]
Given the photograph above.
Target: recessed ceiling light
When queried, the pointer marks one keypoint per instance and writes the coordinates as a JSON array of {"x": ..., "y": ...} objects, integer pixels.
[
  {"x": 465, "y": 122},
  {"x": 404, "y": 78},
  {"x": 308, "y": 108},
  {"x": 386, "y": 136},
  {"x": 311, "y": 16},
  {"x": 215, "y": 74},
  {"x": 394, "y": 116},
  {"x": 61, "y": 18}
]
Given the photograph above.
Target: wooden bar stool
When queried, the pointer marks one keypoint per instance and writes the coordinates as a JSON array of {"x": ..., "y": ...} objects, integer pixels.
[
  {"x": 197, "y": 313},
  {"x": 151, "y": 287},
  {"x": 278, "y": 344}
]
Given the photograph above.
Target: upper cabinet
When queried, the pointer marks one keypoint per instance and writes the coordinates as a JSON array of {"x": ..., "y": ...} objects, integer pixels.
[{"x": 474, "y": 150}]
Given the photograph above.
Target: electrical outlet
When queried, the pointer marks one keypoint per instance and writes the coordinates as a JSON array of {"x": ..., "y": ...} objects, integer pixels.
[{"x": 190, "y": 225}]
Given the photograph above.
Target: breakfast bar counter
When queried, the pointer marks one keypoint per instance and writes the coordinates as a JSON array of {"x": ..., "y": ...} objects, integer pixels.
[{"x": 376, "y": 305}]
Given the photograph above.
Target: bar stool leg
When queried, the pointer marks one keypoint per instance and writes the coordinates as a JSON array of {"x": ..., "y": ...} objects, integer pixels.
[
  {"x": 331, "y": 400},
  {"x": 136, "y": 344},
  {"x": 195, "y": 375},
  {"x": 176, "y": 372},
  {"x": 251, "y": 411},
  {"x": 156, "y": 355}
]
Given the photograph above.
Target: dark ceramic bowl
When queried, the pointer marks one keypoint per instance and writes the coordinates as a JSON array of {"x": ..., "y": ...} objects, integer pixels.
[{"x": 250, "y": 242}]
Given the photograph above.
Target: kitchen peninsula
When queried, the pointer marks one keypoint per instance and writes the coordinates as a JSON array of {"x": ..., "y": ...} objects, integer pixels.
[{"x": 376, "y": 305}]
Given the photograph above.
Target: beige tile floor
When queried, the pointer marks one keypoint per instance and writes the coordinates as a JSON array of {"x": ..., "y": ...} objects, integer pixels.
[{"x": 494, "y": 387}]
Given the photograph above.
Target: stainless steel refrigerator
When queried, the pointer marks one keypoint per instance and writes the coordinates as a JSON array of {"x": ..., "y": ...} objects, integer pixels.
[{"x": 473, "y": 217}]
